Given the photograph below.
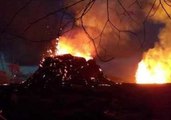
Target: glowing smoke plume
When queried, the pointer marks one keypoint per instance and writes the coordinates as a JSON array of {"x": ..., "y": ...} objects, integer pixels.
[
  {"x": 156, "y": 64},
  {"x": 108, "y": 26}
]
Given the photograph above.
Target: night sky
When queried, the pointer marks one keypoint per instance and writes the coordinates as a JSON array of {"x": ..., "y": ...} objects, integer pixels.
[{"x": 26, "y": 47}]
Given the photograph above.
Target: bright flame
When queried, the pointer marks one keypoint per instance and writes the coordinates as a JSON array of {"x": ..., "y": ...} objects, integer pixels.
[
  {"x": 156, "y": 64},
  {"x": 78, "y": 45},
  {"x": 150, "y": 75}
]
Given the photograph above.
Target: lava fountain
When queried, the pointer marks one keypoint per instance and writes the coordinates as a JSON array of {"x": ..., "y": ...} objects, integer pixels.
[
  {"x": 77, "y": 44},
  {"x": 152, "y": 73},
  {"x": 155, "y": 66}
]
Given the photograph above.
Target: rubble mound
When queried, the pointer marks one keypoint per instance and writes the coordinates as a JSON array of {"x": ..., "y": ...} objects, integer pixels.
[{"x": 67, "y": 70}]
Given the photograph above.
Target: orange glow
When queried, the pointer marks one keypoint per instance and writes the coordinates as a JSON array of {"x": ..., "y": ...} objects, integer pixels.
[
  {"x": 78, "y": 45},
  {"x": 151, "y": 74},
  {"x": 155, "y": 66}
]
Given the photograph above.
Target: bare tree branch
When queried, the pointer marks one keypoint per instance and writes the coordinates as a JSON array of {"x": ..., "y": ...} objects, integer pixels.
[
  {"x": 50, "y": 14},
  {"x": 15, "y": 15},
  {"x": 165, "y": 9},
  {"x": 117, "y": 30}
]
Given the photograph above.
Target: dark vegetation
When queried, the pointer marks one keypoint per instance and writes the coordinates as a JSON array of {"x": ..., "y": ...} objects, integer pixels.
[
  {"x": 118, "y": 102},
  {"x": 59, "y": 97}
]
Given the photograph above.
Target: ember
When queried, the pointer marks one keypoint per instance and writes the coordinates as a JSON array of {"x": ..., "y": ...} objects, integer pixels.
[{"x": 66, "y": 70}]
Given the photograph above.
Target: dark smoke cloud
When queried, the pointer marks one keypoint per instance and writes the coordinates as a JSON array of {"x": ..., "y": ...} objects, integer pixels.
[
  {"x": 23, "y": 51},
  {"x": 18, "y": 47},
  {"x": 115, "y": 43}
]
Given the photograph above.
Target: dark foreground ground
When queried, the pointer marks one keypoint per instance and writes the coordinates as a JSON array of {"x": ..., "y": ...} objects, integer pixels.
[{"x": 119, "y": 102}]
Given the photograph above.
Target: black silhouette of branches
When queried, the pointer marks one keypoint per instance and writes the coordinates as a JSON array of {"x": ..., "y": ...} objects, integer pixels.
[{"x": 63, "y": 26}]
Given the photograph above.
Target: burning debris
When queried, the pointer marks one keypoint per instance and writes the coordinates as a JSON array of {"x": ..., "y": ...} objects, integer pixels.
[{"x": 67, "y": 70}]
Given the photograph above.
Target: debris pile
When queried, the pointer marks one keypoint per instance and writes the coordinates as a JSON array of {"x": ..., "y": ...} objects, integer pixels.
[{"x": 67, "y": 70}]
